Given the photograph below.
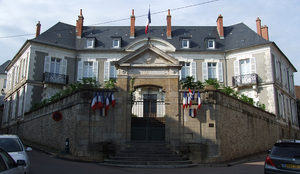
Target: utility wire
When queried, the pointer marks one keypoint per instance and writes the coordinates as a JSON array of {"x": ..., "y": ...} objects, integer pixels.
[{"x": 118, "y": 20}]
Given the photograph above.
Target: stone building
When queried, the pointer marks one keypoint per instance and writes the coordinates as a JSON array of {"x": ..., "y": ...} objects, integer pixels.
[{"x": 235, "y": 55}]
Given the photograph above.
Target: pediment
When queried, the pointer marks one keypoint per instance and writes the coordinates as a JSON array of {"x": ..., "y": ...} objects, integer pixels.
[{"x": 147, "y": 56}]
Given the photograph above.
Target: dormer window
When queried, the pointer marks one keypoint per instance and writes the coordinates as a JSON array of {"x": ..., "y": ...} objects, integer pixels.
[
  {"x": 90, "y": 42},
  {"x": 211, "y": 44},
  {"x": 185, "y": 43},
  {"x": 116, "y": 42}
]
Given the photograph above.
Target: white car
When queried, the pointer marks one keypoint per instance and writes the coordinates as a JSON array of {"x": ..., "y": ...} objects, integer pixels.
[{"x": 15, "y": 148}]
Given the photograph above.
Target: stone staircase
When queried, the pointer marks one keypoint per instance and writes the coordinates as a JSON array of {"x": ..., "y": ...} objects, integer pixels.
[{"x": 148, "y": 155}]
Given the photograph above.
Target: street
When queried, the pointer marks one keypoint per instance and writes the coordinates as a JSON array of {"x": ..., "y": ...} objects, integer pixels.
[{"x": 42, "y": 163}]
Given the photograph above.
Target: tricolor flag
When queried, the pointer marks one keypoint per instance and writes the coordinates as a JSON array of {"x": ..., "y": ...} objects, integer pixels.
[
  {"x": 184, "y": 100},
  {"x": 148, "y": 21},
  {"x": 106, "y": 104},
  {"x": 100, "y": 101},
  {"x": 190, "y": 98},
  {"x": 192, "y": 112},
  {"x": 95, "y": 102},
  {"x": 102, "y": 110},
  {"x": 112, "y": 97},
  {"x": 199, "y": 100}
]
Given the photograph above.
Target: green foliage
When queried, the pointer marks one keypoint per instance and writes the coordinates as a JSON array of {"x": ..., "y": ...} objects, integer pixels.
[
  {"x": 110, "y": 84},
  {"x": 247, "y": 99},
  {"x": 189, "y": 83},
  {"x": 227, "y": 90},
  {"x": 213, "y": 82},
  {"x": 132, "y": 90},
  {"x": 132, "y": 115}
]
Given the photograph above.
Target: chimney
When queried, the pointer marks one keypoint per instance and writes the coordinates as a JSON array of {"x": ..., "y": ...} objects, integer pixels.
[
  {"x": 169, "y": 30},
  {"x": 79, "y": 25},
  {"x": 258, "y": 24},
  {"x": 132, "y": 25},
  {"x": 38, "y": 29},
  {"x": 265, "y": 32},
  {"x": 220, "y": 26}
]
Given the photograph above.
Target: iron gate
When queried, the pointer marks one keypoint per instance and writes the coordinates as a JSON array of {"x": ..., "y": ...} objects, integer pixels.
[{"x": 148, "y": 121}]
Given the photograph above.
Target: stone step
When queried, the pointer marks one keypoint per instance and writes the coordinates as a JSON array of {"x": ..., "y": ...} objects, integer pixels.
[
  {"x": 142, "y": 158},
  {"x": 124, "y": 162},
  {"x": 145, "y": 155}
]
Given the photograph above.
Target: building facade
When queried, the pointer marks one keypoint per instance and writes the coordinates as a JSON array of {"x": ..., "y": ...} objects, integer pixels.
[{"x": 235, "y": 55}]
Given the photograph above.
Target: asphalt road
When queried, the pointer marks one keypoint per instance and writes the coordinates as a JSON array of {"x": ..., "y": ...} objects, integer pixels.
[{"x": 42, "y": 163}]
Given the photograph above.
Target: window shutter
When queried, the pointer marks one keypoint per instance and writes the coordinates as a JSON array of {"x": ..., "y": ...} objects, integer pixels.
[
  {"x": 64, "y": 66},
  {"x": 95, "y": 70},
  {"x": 236, "y": 67},
  {"x": 253, "y": 65},
  {"x": 220, "y": 72},
  {"x": 106, "y": 70},
  {"x": 20, "y": 102},
  {"x": 204, "y": 71},
  {"x": 194, "y": 70},
  {"x": 80, "y": 70},
  {"x": 47, "y": 64},
  {"x": 180, "y": 74}
]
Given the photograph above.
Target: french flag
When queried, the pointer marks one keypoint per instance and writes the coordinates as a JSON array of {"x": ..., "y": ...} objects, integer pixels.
[
  {"x": 190, "y": 97},
  {"x": 192, "y": 112},
  {"x": 102, "y": 109},
  {"x": 112, "y": 97},
  {"x": 106, "y": 104},
  {"x": 100, "y": 102},
  {"x": 199, "y": 100},
  {"x": 95, "y": 102},
  {"x": 184, "y": 100},
  {"x": 148, "y": 21}
]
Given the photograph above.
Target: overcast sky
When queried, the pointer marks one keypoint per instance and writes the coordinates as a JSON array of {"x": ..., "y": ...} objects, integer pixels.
[{"x": 19, "y": 17}]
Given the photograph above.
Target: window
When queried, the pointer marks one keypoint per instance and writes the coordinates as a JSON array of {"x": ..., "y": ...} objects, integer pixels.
[
  {"x": 4, "y": 83},
  {"x": 55, "y": 65},
  {"x": 116, "y": 43},
  {"x": 24, "y": 67},
  {"x": 90, "y": 42},
  {"x": 211, "y": 44},
  {"x": 188, "y": 69},
  {"x": 16, "y": 75},
  {"x": 212, "y": 70},
  {"x": 87, "y": 69},
  {"x": 245, "y": 67},
  {"x": 110, "y": 71},
  {"x": 185, "y": 43}
]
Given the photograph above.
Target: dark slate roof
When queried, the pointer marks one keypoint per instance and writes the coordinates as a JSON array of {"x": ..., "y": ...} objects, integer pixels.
[
  {"x": 236, "y": 36},
  {"x": 3, "y": 66},
  {"x": 61, "y": 35}
]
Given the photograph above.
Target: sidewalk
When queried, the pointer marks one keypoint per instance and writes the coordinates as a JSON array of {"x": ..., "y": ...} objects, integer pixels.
[{"x": 69, "y": 157}]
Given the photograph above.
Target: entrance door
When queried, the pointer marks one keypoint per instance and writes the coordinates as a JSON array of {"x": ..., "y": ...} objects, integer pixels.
[{"x": 148, "y": 127}]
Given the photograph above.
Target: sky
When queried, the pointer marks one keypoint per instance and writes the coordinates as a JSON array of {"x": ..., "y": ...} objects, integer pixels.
[{"x": 18, "y": 18}]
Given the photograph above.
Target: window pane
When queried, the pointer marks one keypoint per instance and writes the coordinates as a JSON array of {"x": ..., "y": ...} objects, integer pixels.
[
  {"x": 115, "y": 43},
  {"x": 184, "y": 43},
  {"x": 210, "y": 44}
]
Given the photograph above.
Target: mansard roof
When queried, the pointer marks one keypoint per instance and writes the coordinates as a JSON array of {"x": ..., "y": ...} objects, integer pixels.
[{"x": 235, "y": 37}]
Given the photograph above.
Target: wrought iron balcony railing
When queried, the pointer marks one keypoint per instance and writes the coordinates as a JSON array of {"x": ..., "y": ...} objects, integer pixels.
[
  {"x": 242, "y": 80},
  {"x": 55, "y": 78}
]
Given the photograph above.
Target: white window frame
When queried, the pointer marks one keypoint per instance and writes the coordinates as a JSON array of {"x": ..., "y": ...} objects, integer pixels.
[
  {"x": 116, "y": 41},
  {"x": 187, "y": 41},
  {"x": 219, "y": 71},
  {"x": 107, "y": 69},
  {"x": 213, "y": 44},
  {"x": 80, "y": 72},
  {"x": 90, "y": 42},
  {"x": 192, "y": 70},
  {"x": 211, "y": 67}
]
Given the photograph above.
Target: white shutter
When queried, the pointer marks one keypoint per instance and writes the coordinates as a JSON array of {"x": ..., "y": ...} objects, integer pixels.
[
  {"x": 220, "y": 72},
  {"x": 20, "y": 102},
  {"x": 236, "y": 65},
  {"x": 80, "y": 70},
  {"x": 204, "y": 71},
  {"x": 47, "y": 64},
  {"x": 180, "y": 74},
  {"x": 95, "y": 70},
  {"x": 194, "y": 70},
  {"x": 106, "y": 70},
  {"x": 253, "y": 65},
  {"x": 64, "y": 66}
]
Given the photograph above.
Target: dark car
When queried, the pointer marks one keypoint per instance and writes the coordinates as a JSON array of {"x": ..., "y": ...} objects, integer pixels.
[{"x": 283, "y": 158}]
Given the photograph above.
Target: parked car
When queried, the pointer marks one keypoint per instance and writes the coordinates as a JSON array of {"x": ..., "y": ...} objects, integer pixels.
[
  {"x": 15, "y": 148},
  {"x": 8, "y": 164},
  {"x": 284, "y": 158}
]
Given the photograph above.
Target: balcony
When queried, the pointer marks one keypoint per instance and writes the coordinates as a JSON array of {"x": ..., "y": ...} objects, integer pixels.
[
  {"x": 243, "y": 80},
  {"x": 55, "y": 78}
]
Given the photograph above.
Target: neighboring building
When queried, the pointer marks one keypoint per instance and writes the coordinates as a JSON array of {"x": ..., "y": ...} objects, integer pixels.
[
  {"x": 235, "y": 55},
  {"x": 297, "y": 89},
  {"x": 3, "y": 80}
]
